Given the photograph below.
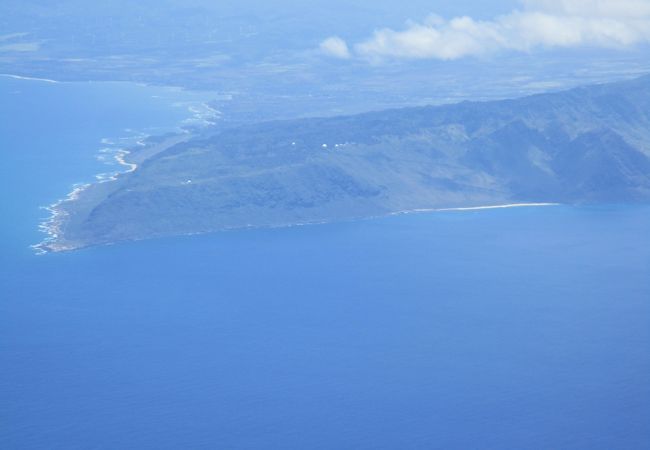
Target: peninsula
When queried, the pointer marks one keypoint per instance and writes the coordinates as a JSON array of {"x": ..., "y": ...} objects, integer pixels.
[{"x": 585, "y": 145}]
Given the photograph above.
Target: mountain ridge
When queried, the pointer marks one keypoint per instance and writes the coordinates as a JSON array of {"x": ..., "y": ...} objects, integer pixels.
[{"x": 589, "y": 144}]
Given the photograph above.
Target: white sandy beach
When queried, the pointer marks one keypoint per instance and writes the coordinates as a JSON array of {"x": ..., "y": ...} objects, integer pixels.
[
  {"x": 18, "y": 77},
  {"x": 510, "y": 205}
]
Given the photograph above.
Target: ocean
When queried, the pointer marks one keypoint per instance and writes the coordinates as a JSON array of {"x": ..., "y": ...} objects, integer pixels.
[{"x": 523, "y": 328}]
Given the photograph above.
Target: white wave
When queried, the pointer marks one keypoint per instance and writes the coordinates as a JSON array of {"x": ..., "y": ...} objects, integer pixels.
[
  {"x": 509, "y": 205},
  {"x": 18, "y": 77},
  {"x": 475, "y": 208},
  {"x": 201, "y": 114}
]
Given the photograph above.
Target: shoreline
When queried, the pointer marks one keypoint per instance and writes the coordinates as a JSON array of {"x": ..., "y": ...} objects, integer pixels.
[
  {"x": 63, "y": 248},
  {"x": 478, "y": 208},
  {"x": 473, "y": 208},
  {"x": 20, "y": 77},
  {"x": 53, "y": 226},
  {"x": 126, "y": 155}
]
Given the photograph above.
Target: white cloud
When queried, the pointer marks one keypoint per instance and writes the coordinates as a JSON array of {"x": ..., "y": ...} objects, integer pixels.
[
  {"x": 540, "y": 23},
  {"x": 608, "y": 8},
  {"x": 336, "y": 47}
]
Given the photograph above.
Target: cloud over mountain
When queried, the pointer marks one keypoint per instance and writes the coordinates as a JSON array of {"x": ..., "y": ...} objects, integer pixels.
[
  {"x": 336, "y": 47},
  {"x": 537, "y": 24}
]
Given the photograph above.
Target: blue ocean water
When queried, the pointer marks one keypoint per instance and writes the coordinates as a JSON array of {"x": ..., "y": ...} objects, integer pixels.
[{"x": 516, "y": 328}]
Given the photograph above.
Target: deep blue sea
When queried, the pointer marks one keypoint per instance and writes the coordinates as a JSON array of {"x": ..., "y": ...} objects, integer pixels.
[{"x": 503, "y": 329}]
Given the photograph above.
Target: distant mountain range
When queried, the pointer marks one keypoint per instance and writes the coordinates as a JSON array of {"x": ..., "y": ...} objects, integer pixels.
[{"x": 586, "y": 145}]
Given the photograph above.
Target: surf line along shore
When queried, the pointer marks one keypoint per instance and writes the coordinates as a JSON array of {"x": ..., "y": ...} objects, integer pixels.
[
  {"x": 67, "y": 211},
  {"x": 475, "y": 208}
]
